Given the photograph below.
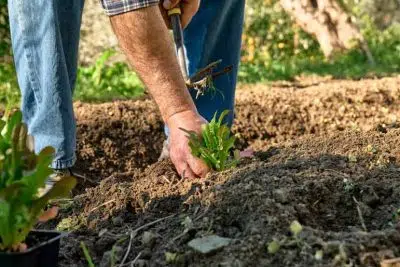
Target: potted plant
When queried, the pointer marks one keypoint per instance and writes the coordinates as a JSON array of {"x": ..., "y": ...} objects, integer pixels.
[{"x": 22, "y": 174}]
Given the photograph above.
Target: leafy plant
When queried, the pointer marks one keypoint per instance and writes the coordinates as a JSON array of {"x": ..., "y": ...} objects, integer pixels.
[
  {"x": 215, "y": 144},
  {"x": 101, "y": 81},
  {"x": 23, "y": 173},
  {"x": 107, "y": 81}
]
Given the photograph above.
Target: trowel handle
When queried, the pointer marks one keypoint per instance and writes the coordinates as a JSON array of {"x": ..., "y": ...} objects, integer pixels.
[{"x": 175, "y": 18}]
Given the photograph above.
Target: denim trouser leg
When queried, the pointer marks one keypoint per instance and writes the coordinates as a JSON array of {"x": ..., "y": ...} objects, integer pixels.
[
  {"x": 213, "y": 34},
  {"x": 45, "y": 37}
]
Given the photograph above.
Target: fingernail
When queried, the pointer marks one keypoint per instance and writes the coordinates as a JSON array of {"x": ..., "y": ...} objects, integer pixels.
[{"x": 167, "y": 4}]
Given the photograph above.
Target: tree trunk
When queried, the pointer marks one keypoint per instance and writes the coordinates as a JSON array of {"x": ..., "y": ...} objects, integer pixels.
[{"x": 328, "y": 22}]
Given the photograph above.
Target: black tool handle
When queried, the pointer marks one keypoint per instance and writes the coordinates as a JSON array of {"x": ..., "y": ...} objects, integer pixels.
[{"x": 176, "y": 25}]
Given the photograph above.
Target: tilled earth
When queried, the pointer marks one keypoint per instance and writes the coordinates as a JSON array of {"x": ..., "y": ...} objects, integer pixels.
[{"x": 327, "y": 155}]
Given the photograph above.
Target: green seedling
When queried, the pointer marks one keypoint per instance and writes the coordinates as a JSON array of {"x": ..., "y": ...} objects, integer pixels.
[
  {"x": 174, "y": 258},
  {"x": 295, "y": 229},
  {"x": 87, "y": 255},
  {"x": 215, "y": 144},
  {"x": 352, "y": 158},
  {"x": 396, "y": 216},
  {"x": 348, "y": 185},
  {"x": 23, "y": 173}
]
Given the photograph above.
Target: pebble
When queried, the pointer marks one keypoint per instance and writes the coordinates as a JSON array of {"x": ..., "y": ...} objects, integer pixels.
[{"x": 208, "y": 244}]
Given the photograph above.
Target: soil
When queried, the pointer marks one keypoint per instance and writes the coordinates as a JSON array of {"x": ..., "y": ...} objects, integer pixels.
[{"x": 327, "y": 155}]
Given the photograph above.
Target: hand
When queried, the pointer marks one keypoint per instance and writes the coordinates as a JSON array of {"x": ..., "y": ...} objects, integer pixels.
[
  {"x": 189, "y": 9},
  {"x": 48, "y": 214},
  {"x": 185, "y": 163}
]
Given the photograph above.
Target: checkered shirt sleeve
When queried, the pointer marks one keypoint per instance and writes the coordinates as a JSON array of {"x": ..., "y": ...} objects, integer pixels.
[{"x": 115, "y": 7}]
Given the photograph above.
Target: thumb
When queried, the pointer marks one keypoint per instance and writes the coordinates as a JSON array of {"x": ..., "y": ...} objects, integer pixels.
[{"x": 168, "y": 4}]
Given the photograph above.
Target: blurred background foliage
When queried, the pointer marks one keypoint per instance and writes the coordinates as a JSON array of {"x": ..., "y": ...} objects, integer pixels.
[
  {"x": 274, "y": 48},
  {"x": 5, "y": 42}
]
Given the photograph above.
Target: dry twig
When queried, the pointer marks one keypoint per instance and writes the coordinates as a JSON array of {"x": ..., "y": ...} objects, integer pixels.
[
  {"x": 105, "y": 203},
  {"x": 132, "y": 235},
  {"x": 360, "y": 216}
]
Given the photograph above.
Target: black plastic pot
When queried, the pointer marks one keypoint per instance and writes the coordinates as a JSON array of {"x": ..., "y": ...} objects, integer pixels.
[{"x": 43, "y": 254}]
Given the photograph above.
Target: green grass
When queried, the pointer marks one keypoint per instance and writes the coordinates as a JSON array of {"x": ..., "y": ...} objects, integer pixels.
[
  {"x": 384, "y": 46},
  {"x": 86, "y": 253},
  {"x": 353, "y": 65},
  {"x": 96, "y": 83},
  {"x": 9, "y": 92},
  {"x": 103, "y": 82}
]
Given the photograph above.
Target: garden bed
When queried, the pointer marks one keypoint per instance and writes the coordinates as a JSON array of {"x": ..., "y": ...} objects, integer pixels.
[{"x": 328, "y": 156}]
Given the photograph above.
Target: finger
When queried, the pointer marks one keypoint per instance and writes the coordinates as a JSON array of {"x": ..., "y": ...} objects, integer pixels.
[
  {"x": 188, "y": 173},
  {"x": 48, "y": 214},
  {"x": 182, "y": 167},
  {"x": 168, "y": 4},
  {"x": 198, "y": 167},
  {"x": 189, "y": 10},
  {"x": 22, "y": 247},
  {"x": 247, "y": 153}
]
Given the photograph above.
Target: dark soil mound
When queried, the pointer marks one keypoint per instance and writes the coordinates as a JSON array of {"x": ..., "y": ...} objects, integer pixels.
[
  {"x": 333, "y": 185},
  {"x": 117, "y": 137},
  {"x": 276, "y": 114}
]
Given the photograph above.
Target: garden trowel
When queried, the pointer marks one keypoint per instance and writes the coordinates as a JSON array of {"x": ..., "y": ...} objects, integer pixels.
[{"x": 203, "y": 79}]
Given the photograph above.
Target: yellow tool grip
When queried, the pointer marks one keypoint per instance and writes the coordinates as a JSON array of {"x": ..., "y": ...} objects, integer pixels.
[{"x": 174, "y": 11}]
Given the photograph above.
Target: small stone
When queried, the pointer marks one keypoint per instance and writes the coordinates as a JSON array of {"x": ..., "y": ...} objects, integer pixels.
[
  {"x": 319, "y": 255},
  {"x": 117, "y": 253},
  {"x": 281, "y": 196},
  {"x": 254, "y": 231},
  {"x": 117, "y": 221},
  {"x": 142, "y": 263},
  {"x": 148, "y": 239},
  {"x": 209, "y": 244}
]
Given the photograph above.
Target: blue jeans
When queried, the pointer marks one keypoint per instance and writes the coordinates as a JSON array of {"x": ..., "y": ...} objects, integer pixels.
[
  {"x": 215, "y": 33},
  {"x": 45, "y": 38}
]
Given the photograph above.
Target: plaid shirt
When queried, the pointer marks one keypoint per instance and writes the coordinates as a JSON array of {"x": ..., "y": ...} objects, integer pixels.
[{"x": 115, "y": 7}]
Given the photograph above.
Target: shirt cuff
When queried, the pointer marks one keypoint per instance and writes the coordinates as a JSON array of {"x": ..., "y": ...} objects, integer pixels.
[{"x": 116, "y": 7}]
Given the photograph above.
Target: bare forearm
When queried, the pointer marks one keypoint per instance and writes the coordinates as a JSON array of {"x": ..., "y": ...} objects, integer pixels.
[{"x": 145, "y": 40}]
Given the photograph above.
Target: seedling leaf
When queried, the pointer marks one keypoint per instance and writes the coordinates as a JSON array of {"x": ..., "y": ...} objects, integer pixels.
[
  {"x": 87, "y": 254},
  {"x": 296, "y": 228},
  {"x": 273, "y": 247},
  {"x": 215, "y": 144}
]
